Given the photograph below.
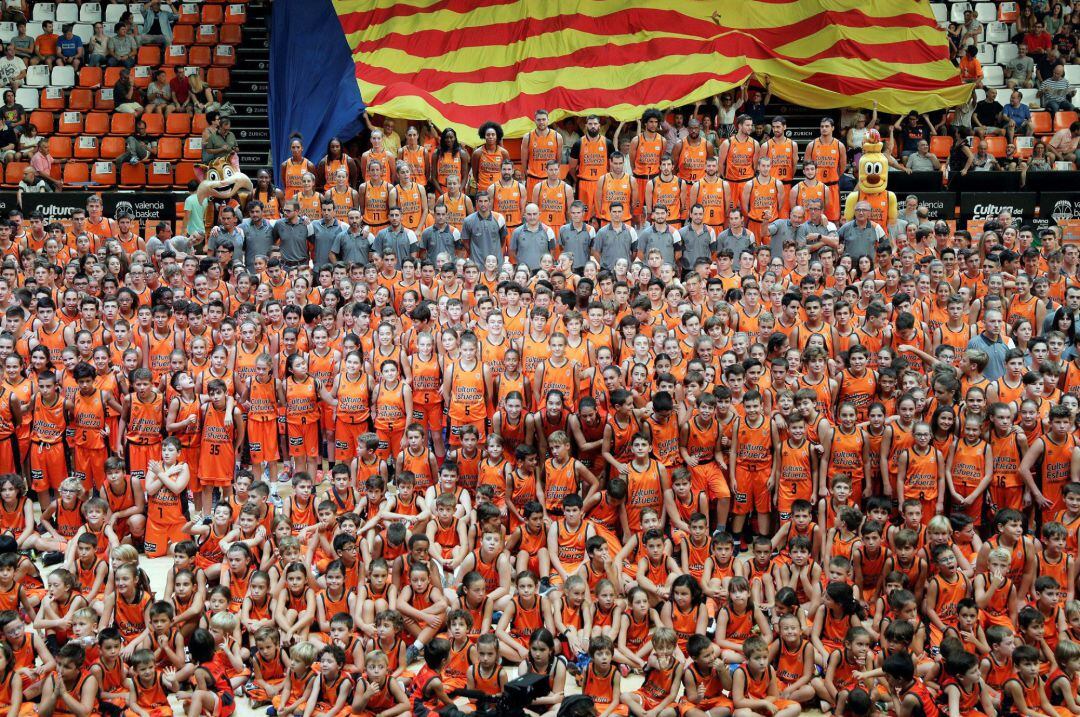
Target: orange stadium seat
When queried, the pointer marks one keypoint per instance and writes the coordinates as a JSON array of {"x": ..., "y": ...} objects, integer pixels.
[
  {"x": 60, "y": 147},
  {"x": 200, "y": 56},
  {"x": 70, "y": 123},
  {"x": 996, "y": 146},
  {"x": 198, "y": 123},
  {"x": 52, "y": 98},
  {"x": 112, "y": 147},
  {"x": 149, "y": 55},
  {"x": 188, "y": 15},
  {"x": 86, "y": 147},
  {"x": 103, "y": 173},
  {"x": 76, "y": 173},
  {"x": 206, "y": 35},
  {"x": 97, "y": 124},
  {"x": 224, "y": 56},
  {"x": 122, "y": 124},
  {"x": 132, "y": 176},
  {"x": 218, "y": 77},
  {"x": 112, "y": 75},
  {"x": 1042, "y": 122},
  {"x": 141, "y": 76},
  {"x": 103, "y": 99},
  {"x": 44, "y": 121},
  {"x": 169, "y": 148},
  {"x": 13, "y": 172},
  {"x": 90, "y": 77},
  {"x": 1008, "y": 12},
  {"x": 160, "y": 174},
  {"x": 193, "y": 148},
  {"x": 178, "y": 124},
  {"x": 185, "y": 172},
  {"x": 1063, "y": 120},
  {"x": 213, "y": 15},
  {"x": 155, "y": 124},
  {"x": 235, "y": 14},
  {"x": 176, "y": 56},
  {"x": 81, "y": 99},
  {"x": 184, "y": 35},
  {"x": 941, "y": 145},
  {"x": 230, "y": 35}
]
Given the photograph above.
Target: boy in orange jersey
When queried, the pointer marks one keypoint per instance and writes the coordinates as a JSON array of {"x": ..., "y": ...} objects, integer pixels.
[
  {"x": 702, "y": 452},
  {"x": 86, "y": 413},
  {"x": 705, "y": 680},
  {"x": 48, "y": 424},
  {"x": 1060, "y": 462},
  {"x": 222, "y": 440},
  {"x": 144, "y": 416},
  {"x": 754, "y": 440},
  {"x": 794, "y": 470},
  {"x": 567, "y": 538}
]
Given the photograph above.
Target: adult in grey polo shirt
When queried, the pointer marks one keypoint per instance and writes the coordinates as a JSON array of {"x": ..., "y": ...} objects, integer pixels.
[
  {"x": 736, "y": 238},
  {"x": 531, "y": 240},
  {"x": 993, "y": 344},
  {"x": 697, "y": 238},
  {"x": 354, "y": 243},
  {"x": 783, "y": 230},
  {"x": 659, "y": 235},
  {"x": 293, "y": 234},
  {"x": 577, "y": 237},
  {"x": 258, "y": 235},
  {"x": 226, "y": 232},
  {"x": 397, "y": 238},
  {"x": 483, "y": 231},
  {"x": 440, "y": 237},
  {"x": 817, "y": 232},
  {"x": 860, "y": 236},
  {"x": 327, "y": 234},
  {"x": 615, "y": 240}
]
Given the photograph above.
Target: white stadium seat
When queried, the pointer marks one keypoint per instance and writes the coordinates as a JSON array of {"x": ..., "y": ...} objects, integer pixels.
[
  {"x": 37, "y": 76},
  {"x": 1029, "y": 96},
  {"x": 996, "y": 32},
  {"x": 90, "y": 12},
  {"x": 1005, "y": 52},
  {"x": 986, "y": 53},
  {"x": 113, "y": 13},
  {"x": 7, "y": 31},
  {"x": 27, "y": 97},
  {"x": 957, "y": 10},
  {"x": 1072, "y": 74},
  {"x": 993, "y": 76},
  {"x": 44, "y": 11},
  {"x": 986, "y": 11},
  {"x": 63, "y": 76},
  {"x": 67, "y": 12},
  {"x": 941, "y": 12}
]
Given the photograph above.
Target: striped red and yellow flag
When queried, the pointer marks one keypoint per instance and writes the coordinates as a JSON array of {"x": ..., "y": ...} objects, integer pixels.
[{"x": 460, "y": 63}]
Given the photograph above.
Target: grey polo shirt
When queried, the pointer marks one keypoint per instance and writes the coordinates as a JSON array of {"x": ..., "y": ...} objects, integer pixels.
[
  {"x": 402, "y": 241},
  {"x": 353, "y": 248},
  {"x": 779, "y": 232},
  {"x": 484, "y": 236},
  {"x": 437, "y": 241},
  {"x": 613, "y": 245},
  {"x": 293, "y": 240},
  {"x": 235, "y": 238},
  {"x": 665, "y": 241},
  {"x": 995, "y": 350},
  {"x": 327, "y": 236},
  {"x": 736, "y": 243},
  {"x": 578, "y": 241},
  {"x": 529, "y": 245},
  {"x": 857, "y": 242},
  {"x": 258, "y": 240},
  {"x": 696, "y": 245}
]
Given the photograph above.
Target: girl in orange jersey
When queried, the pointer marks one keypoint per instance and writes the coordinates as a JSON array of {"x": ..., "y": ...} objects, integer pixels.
[
  {"x": 636, "y": 636},
  {"x": 294, "y": 610},
  {"x": 258, "y": 395},
  {"x": 792, "y": 655},
  {"x": 15, "y": 398},
  {"x": 16, "y": 511},
  {"x": 685, "y": 612},
  {"x": 183, "y": 422},
  {"x": 465, "y": 390},
  {"x": 423, "y": 372},
  {"x": 323, "y": 364},
  {"x": 422, "y": 604},
  {"x": 736, "y": 620},
  {"x": 921, "y": 473},
  {"x": 128, "y": 609},
  {"x": 392, "y": 399},
  {"x": 542, "y": 660},
  {"x": 300, "y": 393}
]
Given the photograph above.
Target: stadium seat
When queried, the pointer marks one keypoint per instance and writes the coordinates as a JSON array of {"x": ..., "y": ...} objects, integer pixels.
[
  {"x": 941, "y": 145},
  {"x": 957, "y": 10},
  {"x": 941, "y": 12},
  {"x": 96, "y": 124},
  {"x": 1008, "y": 12},
  {"x": 141, "y": 76},
  {"x": 1024, "y": 146},
  {"x": 995, "y": 145},
  {"x": 67, "y": 12},
  {"x": 27, "y": 97},
  {"x": 63, "y": 76},
  {"x": 996, "y": 32},
  {"x": 112, "y": 147},
  {"x": 169, "y": 148},
  {"x": 90, "y": 12},
  {"x": 155, "y": 124},
  {"x": 76, "y": 173},
  {"x": 149, "y": 55},
  {"x": 44, "y": 121},
  {"x": 84, "y": 29},
  {"x": 178, "y": 124},
  {"x": 160, "y": 174},
  {"x": 103, "y": 173},
  {"x": 986, "y": 11},
  {"x": 37, "y": 76},
  {"x": 198, "y": 123},
  {"x": 81, "y": 99},
  {"x": 60, "y": 147},
  {"x": 43, "y": 11},
  {"x": 218, "y": 77},
  {"x": 51, "y": 98},
  {"x": 1063, "y": 120},
  {"x": 199, "y": 56},
  {"x": 188, "y": 15},
  {"x": 103, "y": 99},
  {"x": 1042, "y": 122},
  {"x": 1072, "y": 74},
  {"x": 224, "y": 56},
  {"x": 86, "y": 147},
  {"x": 206, "y": 34},
  {"x": 132, "y": 176},
  {"x": 176, "y": 56},
  {"x": 1030, "y": 97},
  {"x": 183, "y": 35},
  {"x": 7, "y": 31},
  {"x": 235, "y": 14},
  {"x": 192, "y": 148},
  {"x": 986, "y": 53},
  {"x": 122, "y": 124},
  {"x": 1064, "y": 167},
  {"x": 113, "y": 14},
  {"x": 34, "y": 29},
  {"x": 1005, "y": 52},
  {"x": 90, "y": 77},
  {"x": 230, "y": 35},
  {"x": 112, "y": 75},
  {"x": 993, "y": 76},
  {"x": 13, "y": 172},
  {"x": 213, "y": 15},
  {"x": 185, "y": 172},
  {"x": 70, "y": 123}
]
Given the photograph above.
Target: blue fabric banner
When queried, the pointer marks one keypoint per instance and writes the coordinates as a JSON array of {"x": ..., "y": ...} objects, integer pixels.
[{"x": 313, "y": 87}]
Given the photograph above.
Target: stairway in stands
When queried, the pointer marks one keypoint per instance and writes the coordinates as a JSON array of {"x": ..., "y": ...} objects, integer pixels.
[{"x": 249, "y": 88}]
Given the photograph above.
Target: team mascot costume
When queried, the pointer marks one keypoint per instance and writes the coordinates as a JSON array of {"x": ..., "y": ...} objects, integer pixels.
[
  {"x": 223, "y": 183},
  {"x": 873, "y": 183}
]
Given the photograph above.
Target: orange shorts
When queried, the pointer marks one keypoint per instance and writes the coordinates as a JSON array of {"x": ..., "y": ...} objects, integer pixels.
[
  {"x": 303, "y": 439},
  {"x": 9, "y": 454},
  {"x": 160, "y": 535},
  {"x": 530, "y": 182},
  {"x": 262, "y": 437},
  {"x": 48, "y": 466},
  {"x": 327, "y": 417},
  {"x": 789, "y": 492},
  {"x": 1005, "y": 496},
  {"x": 455, "y": 431},
  {"x": 710, "y": 477},
  {"x": 751, "y": 491},
  {"x": 139, "y": 457},
  {"x": 755, "y": 227},
  {"x": 586, "y": 193},
  {"x": 429, "y": 416},
  {"x": 90, "y": 466},
  {"x": 346, "y": 437},
  {"x": 190, "y": 455},
  {"x": 389, "y": 442},
  {"x": 974, "y": 510}
]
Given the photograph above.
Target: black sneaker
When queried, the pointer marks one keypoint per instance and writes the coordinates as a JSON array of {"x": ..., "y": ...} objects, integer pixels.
[{"x": 53, "y": 557}]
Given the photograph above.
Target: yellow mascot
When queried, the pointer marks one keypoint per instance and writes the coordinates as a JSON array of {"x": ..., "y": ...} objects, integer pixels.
[{"x": 873, "y": 183}]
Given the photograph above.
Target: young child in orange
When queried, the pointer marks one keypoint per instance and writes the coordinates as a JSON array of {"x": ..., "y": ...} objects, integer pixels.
[
  {"x": 705, "y": 680},
  {"x": 144, "y": 416},
  {"x": 220, "y": 442},
  {"x": 86, "y": 414},
  {"x": 62, "y": 518},
  {"x": 377, "y": 693},
  {"x": 792, "y": 655},
  {"x": 754, "y": 689},
  {"x": 148, "y": 687},
  {"x": 299, "y": 682},
  {"x": 601, "y": 680},
  {"x": 48, "y": 424},
  {"x": 166, "y": 484},
  {"x": 659, "y": 692}
]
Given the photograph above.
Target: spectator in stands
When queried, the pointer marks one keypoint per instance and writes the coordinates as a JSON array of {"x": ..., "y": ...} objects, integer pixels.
[
  {"x": 180, "y": 85},
  {"x": 43, "y": 162},
  {"x": 12, "y": 114},
  {"x": 9, "y": 145},
  {"x": 218, "y": 140},
  {"x": 1020, "y": 70},
  {"x": 1020, "y": 116},
  {"x": 124, "y": 48},
  {"x": 12, "y": 68},
  {"x": 954, "y": 32},
  {"x": 45, "y": 46},
  {"x": 856, "y": 133},
  {"x": 971, "y": 70},
  {"x": 1063, "y": 144},
  {"x": 23, "y": 43},
  {"x": 70, "y": 48},
  {"x": 990, "y": 114},
  {"x": 32, "y": 183},
  {"x": 981, "y": 160},
  {"x": 1012, "y": 161},
  {"x": 1038, "y": 44},
  {"x": 1026, "y": 21},
  {"x": 203, "y": 97},
  {"x": 973, "y": 29},
  {"x": 28, "y": 142},
  {"x": 1055, "y": 93},
  {"x": 158, "y": 20},
  {"x": 909, "y": 130},
  {"x": 921, "y": 160},
  {"x": 195, "y": 213},
  {"x": 1040, "y": 160},
  {"x": 125, "y": 94},
  {"x": 1065, "y": 43},
  {"x": 159, "y": 96},
  {"x": 1055, "y": 19},
  {"x": 390, "y": 138},
  {"x": 16, "y": 10},
  {"x": 758, "y": 106},
  {"x": 138, "y": 147},
  {"x": 97, "y": 47}
]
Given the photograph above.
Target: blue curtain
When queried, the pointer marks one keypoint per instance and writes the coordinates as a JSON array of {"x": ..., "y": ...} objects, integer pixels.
[{"x": 313, "y": 87}]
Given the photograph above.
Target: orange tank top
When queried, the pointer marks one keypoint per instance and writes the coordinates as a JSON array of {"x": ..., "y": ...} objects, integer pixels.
[
  {"x": 376, "y": 203},
  {"x": 740, "y": 159},
  {"x": 647, "y": 163},
  {"x": 712, "y": 196},
  {"x": 508, "y": 202},
  {"x": 541, "y": 151}
]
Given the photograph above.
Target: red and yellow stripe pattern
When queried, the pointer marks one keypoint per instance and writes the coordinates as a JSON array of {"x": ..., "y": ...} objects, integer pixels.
[{"x": 460, "y": 63}]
